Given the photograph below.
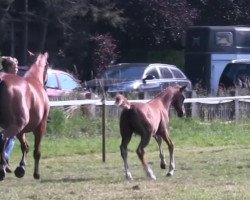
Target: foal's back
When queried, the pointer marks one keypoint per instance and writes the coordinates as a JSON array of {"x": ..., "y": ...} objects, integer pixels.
[{"x": 143, "y": 117}]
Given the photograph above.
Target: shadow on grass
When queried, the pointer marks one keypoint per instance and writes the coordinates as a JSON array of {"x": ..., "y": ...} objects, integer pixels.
[{"x": 67, "y": 180}]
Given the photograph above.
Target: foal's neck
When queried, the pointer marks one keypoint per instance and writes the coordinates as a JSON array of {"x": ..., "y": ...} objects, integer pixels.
[{"x": 167, "y": 100}]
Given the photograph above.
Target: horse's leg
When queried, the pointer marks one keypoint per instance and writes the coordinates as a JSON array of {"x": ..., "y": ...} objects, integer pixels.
[
  {"x": 38, "y": 134},
  {"x": 162, "y": 155},
  {"x": 20, "y": 170},
  {"x": 126, "y": 137},
  {"x": 170, "y": 144},
  {"x": 140, "y": 152},
  {"x": 3, "y": 162}
]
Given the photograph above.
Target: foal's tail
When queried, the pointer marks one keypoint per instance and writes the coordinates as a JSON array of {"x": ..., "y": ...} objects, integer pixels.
[{"x": 122, "y": 101}]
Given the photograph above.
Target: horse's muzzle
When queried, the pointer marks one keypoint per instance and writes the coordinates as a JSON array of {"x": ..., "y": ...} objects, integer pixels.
[{"x": 181, "y": 114}]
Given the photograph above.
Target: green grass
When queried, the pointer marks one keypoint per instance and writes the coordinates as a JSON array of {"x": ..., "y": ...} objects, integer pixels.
[{"x": 212, "y": 162}]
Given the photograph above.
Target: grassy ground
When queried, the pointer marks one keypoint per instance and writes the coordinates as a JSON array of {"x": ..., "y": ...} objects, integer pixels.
[
  {"x": 201, "y": 173},
  {"x": 212, "y": 162}
]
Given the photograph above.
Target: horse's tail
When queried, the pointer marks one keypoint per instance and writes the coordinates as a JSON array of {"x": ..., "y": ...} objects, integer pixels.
[{"x": 122, "y": 101}]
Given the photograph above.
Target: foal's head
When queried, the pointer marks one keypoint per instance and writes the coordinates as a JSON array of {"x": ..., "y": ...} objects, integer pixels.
[{"x": 178, "y": 100}]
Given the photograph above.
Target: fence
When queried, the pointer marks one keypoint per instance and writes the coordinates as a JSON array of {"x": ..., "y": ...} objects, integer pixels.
[
  {"x": 223, "y": 108},
  {"x": 208, "y": 108}
]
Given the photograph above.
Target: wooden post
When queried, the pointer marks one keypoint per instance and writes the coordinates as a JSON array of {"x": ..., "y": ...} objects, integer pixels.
[
  {"x": 103, "y": 130},
  {"x": 194, "y": 106},
  {"x": 236, "y": 107}
]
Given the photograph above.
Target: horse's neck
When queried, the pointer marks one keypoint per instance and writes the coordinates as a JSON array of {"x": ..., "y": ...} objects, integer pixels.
[
  {"x": 165, "y": 99},
  {"x": 35, "y": 72}
]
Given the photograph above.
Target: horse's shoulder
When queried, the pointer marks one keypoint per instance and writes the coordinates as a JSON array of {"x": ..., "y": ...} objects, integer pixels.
[{"x": 12, "y": 79}]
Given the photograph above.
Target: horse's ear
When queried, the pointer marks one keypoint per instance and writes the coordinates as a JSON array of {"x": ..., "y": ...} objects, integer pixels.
[
  {"x": 30, "y": 53},
  {"x": 183, "y": 88},
  {"x": 46, "y": 54}
]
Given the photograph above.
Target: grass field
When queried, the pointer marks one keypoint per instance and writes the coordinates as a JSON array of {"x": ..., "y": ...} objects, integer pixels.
[{"x": 212, "y": 162}]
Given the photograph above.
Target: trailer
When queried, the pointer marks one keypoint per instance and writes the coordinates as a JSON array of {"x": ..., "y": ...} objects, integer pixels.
[{"x": 212, "y": 53}]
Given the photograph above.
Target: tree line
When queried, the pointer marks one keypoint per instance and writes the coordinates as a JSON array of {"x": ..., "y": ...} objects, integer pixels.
[{"x": 86, "y": 36}]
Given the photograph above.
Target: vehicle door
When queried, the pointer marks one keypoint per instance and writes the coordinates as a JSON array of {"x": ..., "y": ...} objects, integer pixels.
[{"x": 151, "y": 79}]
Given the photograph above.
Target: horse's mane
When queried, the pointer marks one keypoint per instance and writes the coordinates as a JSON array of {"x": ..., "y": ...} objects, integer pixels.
[
  {"x": 166, "y": 90},
  {"x": 38, "y": 68}
]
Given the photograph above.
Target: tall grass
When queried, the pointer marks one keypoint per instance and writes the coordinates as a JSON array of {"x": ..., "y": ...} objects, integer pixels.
[{"x": 81, "y": 134}]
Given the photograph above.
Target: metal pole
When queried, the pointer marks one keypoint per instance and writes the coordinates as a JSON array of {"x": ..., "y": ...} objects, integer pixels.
[{"x": 103, "y": 130}]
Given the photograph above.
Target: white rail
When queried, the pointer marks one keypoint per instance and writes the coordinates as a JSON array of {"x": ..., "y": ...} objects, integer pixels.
[{"x": 205, "y": 100}]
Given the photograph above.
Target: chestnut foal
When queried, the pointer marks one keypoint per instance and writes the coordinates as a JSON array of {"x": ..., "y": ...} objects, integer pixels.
[{"x": 146, "y": 120}]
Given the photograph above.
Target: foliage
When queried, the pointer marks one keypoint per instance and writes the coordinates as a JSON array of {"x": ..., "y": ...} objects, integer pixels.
[
  {"x": 105, "y": 53},
  {"x": 157, "y": 23},
  {"x": 88, "y": 35},
  {"x": 74, "y": 125},
  {"x": 225, "y": 13}
]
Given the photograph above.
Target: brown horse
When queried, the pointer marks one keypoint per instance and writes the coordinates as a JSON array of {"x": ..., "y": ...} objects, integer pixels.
[
  {"x": 24, "y": 107},
  {"x": 146, "y": 120}
]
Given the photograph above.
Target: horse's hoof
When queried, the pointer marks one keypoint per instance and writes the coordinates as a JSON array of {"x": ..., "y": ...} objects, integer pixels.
[
  {"x": 129, "y": 176},
  {"x": 169, "y": 174},
  {"x": 153, "y": 177},
  {"x": 36, "y": 176},
  {"x": 20, "y": 171},
  {"x": 2, "y": 174},
  {"x": 163, "y": 166}
]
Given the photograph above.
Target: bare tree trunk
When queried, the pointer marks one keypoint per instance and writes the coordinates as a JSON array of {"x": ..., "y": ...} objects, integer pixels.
[
  {"x": 12, "y": 39},
  {"x": 25, "y": 33},
  {"x": 44, "y": 33}
]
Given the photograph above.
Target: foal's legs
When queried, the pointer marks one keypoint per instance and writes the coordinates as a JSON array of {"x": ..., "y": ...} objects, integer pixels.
[
  {"x": 162, "y": 154},
  {"x": 126, "y": 137},
  {"x": 170, "y": 144},
  {"x": 20, "y": 170},
  {"x": 140, "y": 152}
]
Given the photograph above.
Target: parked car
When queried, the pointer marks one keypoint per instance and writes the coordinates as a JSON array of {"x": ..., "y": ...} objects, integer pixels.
[
  {"x": 138, "y": 77},
  {"x": 61, "y": 84}
]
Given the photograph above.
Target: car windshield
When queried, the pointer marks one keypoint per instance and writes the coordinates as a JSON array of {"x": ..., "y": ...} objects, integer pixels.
[{"x": 128, "y": 73}]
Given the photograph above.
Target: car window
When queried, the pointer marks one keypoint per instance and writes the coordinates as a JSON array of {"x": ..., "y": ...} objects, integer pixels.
[
  {"x": 67, "y": 82},
  {"x": 153, "y": 72},
  {"x": 177, "y": 73},
  {"x": 165, "y": 72},
  {"x": 232, "y": 72},
  {"x": 128, "y": 73},
  {"x": 52, "y": 81}
]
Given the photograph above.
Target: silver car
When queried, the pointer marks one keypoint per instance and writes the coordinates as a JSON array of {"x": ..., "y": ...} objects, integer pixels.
[{"x": 140, "y": 78}]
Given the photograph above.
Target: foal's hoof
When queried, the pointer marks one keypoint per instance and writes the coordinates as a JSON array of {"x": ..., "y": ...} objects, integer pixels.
[
  {"x": 169, "y": 174},
  {"x": 2, "y": 174},
  {"x": 163, "y": 166},
  {"x": 36, "y": 176},
  {"x": 20, "y": 171}
]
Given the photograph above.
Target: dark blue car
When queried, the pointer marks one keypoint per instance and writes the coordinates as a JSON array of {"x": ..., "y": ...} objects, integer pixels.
[{"x": 141, "y": 78}]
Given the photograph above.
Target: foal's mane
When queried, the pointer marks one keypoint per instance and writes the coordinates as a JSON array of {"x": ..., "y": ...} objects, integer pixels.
[{"x": 163, "y": 93}]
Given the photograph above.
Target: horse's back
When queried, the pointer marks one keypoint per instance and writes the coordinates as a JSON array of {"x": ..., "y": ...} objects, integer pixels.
[
  {"x": 11, "y": 99},
  {"x": 22, "y": 102},
  {"x": 138, "y": 118}
]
